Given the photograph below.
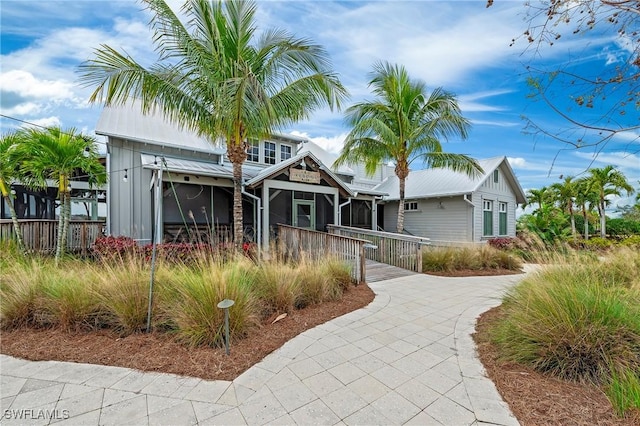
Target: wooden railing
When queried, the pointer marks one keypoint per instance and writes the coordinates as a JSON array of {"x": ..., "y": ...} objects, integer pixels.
[
  {"x": 40, "y": 235},
  {"x": 399, "y": 250},
  {"x": 297, "y": 242}
]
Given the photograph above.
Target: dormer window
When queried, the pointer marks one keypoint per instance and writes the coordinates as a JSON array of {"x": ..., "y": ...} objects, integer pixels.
[
  {"x": 270, "y": 152},
  {"x": 253, "y": 152},
  {"x": 285, "y": 152}
]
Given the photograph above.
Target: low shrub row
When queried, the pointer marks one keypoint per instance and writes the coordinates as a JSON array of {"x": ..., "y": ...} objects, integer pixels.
[
  {"x": 449, "y": 259},
  {"x": 579, "y": 321},
  {"x": 114, "y": 294}
]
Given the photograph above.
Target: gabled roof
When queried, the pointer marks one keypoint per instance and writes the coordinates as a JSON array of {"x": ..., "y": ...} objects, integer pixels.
[
  {"x": 440, "y": 182},
  {"x": 278, "y": 168},
  {"x": 325, "y": 156}
]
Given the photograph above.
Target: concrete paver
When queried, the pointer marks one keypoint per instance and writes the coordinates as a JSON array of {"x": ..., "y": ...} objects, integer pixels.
[{"x": 407, "y": 358}]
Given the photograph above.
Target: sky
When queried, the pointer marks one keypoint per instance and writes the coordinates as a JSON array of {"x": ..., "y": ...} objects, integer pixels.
[{"x": 461, "y": 46}]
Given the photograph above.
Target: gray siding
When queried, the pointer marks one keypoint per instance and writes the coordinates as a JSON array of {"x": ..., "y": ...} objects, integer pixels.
[
  {"x": 442, "y": 219},
  {"x": 497, "y": 192},
  {"x": 131, "y": 203}
]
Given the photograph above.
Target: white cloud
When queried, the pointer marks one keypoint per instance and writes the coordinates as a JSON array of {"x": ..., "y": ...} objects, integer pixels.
[
  {"x": 618, "y": 159},
  {"x": 332, "y": 144},
  {"x": 517, "y": 162},
  {"x": 24, "y": 83},
  {"x": 46, "y": 122}
]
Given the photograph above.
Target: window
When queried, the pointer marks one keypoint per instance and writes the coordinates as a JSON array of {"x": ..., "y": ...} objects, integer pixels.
[
  {"x": 285, "y": 152},
  {"x": 253, "y": 152},
  {"x": 411, "y": 206},
  {"x": 502, "y": 223},
  {"x": 487, "y": 218},
  {"x": 270, "y": 152},
  {"x": 495, "y": 175}
]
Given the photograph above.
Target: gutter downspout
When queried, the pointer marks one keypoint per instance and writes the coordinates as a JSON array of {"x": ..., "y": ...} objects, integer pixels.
[
  {"x": 259, "y": 215},
  {"x": 473, "y": 217}
]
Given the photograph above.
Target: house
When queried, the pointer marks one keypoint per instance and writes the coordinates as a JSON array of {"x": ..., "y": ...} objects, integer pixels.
[
  {"x": 282, "y": 183},
  {"x": 169, "y": 184},
  {"x": 450, "y": 207}
]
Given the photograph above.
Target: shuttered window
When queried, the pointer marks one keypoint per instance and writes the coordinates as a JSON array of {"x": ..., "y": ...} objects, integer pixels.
[
  {"x": 502, "y": 217},
  {"x": 487, "y": 218}
]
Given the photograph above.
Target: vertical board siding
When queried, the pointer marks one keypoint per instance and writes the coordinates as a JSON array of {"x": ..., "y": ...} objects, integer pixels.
[
  {"x": 298, "y": 242},
  {"x": 399, "y": 250},
  {"x": 41, "y": 235}
]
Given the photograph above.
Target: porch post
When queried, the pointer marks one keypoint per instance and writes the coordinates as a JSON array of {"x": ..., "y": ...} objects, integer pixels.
[{"x": 266, "y": 189}]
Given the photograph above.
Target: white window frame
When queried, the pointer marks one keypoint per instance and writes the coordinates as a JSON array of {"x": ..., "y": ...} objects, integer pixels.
[
  {"x": 253, "y": 151},
  {"x": 487, "y": 207},
  {"x": 271, "y": 159},
  {"x": 410, "y": 206},
  {"x": 502, "y": 213},
  {"x": 283, "y": 154}
]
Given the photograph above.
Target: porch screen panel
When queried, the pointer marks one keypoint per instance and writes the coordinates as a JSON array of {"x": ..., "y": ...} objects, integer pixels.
[
  {"x": 222, "y": 206},
  {"x": 280, "y": 207},
  {"x": 190, "y": 198},
  {"x": 324, "y": 211},
  {"x": 361, "y": 214}
]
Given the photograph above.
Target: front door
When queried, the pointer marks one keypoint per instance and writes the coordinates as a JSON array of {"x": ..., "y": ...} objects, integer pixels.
[{"x": 304, "y": 214}]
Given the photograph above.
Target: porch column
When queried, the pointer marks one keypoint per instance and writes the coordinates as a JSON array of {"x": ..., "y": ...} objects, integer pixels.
[{"x": 266, "y": 189}]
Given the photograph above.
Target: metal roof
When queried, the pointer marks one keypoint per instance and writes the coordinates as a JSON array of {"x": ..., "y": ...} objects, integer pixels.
[
  {"x": 194, "y": 167},
  {"x": 326, "y": 157},
  {"x": 278, "y": 167},
  {"x": 441, "y": 182},
  {"x": 129, "y": 122}
]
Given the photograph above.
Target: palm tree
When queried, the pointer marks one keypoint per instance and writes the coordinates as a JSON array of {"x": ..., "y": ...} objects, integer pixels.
[
  {"x": 541, "y": 197},
  {"x": 586, "y": 198},
  {"x": 216, "y": 75},
  {"x": 605, "y": 182},
  {"x": 54, "y": 154},
  {"x": 565, "y": 194},
  {"x": 8, "y": 173},
  {"x": 402, "y": 124}
]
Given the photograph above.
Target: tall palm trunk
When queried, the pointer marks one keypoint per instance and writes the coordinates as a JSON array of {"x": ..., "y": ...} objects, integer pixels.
[
  {"x": 14, "y": 217},
  {"x": 603, "y": 220},
  {"x": 63, "y": 222},
  {"x": 400, "y": 223},
  {"x": 573, "y": 219},
  {"x": 402, "y": 171},
  {"x": 237, "y": 154}
]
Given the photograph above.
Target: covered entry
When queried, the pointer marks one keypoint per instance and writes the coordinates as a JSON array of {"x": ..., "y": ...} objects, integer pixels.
[{"x": 298, "y": 192}]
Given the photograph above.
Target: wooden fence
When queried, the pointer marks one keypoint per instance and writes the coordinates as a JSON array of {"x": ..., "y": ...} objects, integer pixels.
[
  {"x": 40, "y": 235},
  {"x": 297, "y": 241},
  {"x": 403, "y": 251}
]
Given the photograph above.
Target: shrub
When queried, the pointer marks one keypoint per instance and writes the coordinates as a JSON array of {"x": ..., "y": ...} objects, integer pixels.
[
  {"x": 633, "y": 242},
  {"x": 67, "y": 298},
  {"x": 19, "y": 289},
  {"x": 504, "y": 243},
  {"x": 597, "y": 244},
  {"x": 123, "y": 292},
  {"x": 199, "y": 289},
  {"x": 620, "y": 227},
  {"x": 578, "y": 322},
  {"x": 110, "y": 248},
  {"x": 448, "y": 259}
]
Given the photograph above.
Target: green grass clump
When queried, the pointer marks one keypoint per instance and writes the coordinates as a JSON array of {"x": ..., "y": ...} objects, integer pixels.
[
  {"x": 623, "y": 390},
  {"x": 68, "y": 300},
  {"x": 449, "y": 259},
  {"x": 122, "y": 289},
  {"x": 278, "y": 285},
  {"x": 196, "y": 293},
  {"x": 578, "y": 322},
  {"x": 20, "y": 287}
]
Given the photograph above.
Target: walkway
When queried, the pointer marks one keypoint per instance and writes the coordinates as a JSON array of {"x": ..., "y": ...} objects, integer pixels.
[{"x": 407, "y": 358}]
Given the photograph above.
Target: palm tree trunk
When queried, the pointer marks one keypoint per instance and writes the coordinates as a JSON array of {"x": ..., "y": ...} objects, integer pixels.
[
  {"x": 586, "y": 222},
  {"x": 603, "y": 220},
  {"x": 237, "y": 206},
  {"x": 67, "y": 219},
  {"x": 60, "y": 228},
  {"x": 573, "y": 221},
  {"x": 400, "y": 224},
  {"x": 14, "y": 218}
]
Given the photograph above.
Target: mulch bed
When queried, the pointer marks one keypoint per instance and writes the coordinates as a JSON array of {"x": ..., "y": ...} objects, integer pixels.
[
  {"x": 536, "y": 399},
  {"x": 160, "y": 352}
]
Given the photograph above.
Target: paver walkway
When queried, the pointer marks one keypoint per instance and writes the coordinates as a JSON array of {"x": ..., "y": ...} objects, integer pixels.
[{"x": 407, "y": 358}]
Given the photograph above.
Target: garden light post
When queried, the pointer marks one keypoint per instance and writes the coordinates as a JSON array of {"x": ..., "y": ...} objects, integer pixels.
[{"x": 226, "y": 304}]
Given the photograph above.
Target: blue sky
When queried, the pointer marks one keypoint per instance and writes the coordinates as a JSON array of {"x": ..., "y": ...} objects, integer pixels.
[{"x": 459, "y": 45}]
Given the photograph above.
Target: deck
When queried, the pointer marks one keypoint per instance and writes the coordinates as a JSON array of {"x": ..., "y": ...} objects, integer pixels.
[{"x": 377, "y": 271}]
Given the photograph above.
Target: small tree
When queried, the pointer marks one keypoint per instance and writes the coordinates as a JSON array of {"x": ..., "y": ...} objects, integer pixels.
[
  {"x": 605, "y": 182},
  {"x": 9, "y": 172},
  {"x": 54, "y": 154},
  {"x": 404, "y": 123},
  {"x": 565, "y": 194}
]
